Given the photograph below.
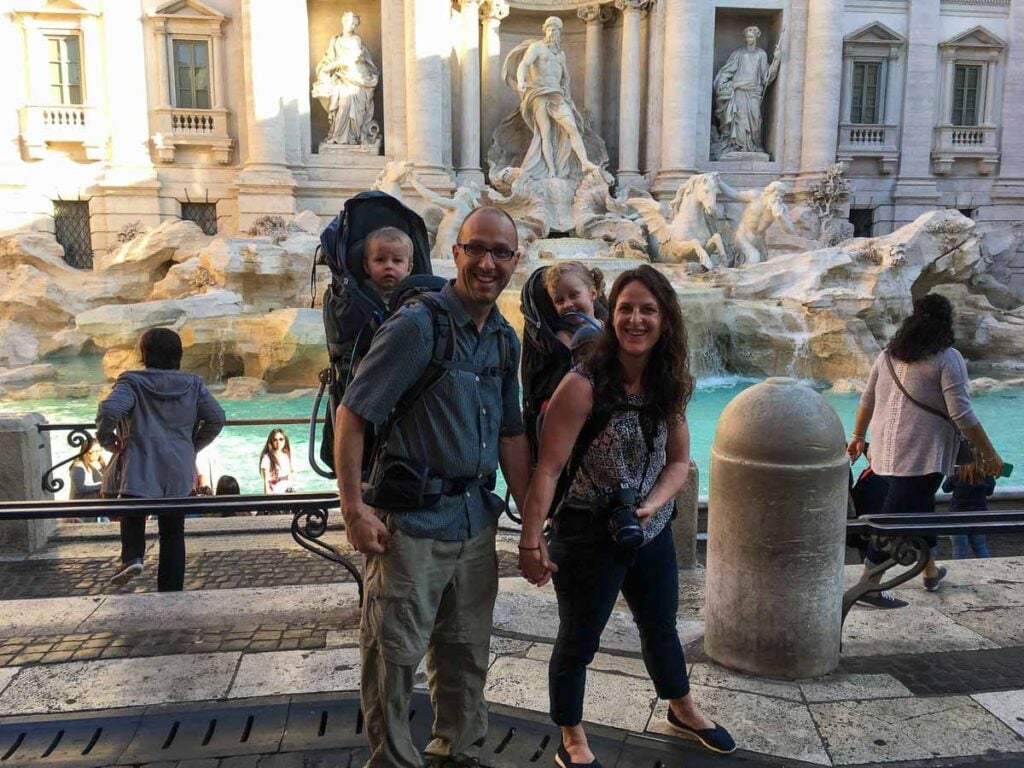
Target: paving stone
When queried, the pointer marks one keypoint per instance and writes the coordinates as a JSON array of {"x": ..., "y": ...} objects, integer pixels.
[
  {"x": 6, "y": 675},
  {"x": 509, "y": 646},
  {"x": 714, "y": 676},
  {"x": 762, "y": 724},
  {"x": 604, "y": 662},
  {"x": 1008, "y": 706},
  {"x": 914, "y": 629},
  {"x": 1003, "y": 626},
  {"x": 291, "y": 672},
  {"x": 342, "y": 638},
  {"x": 110, "y": 683},
  {"x": 839, "y": 687},
  {"x": 18, "y": 618},
  {"x": 615, "y": 700},
  {"x": 887, "y": 730}
]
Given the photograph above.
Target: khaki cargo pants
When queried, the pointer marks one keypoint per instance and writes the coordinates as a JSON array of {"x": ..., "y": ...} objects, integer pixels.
[{"x": 433, "y": 598}]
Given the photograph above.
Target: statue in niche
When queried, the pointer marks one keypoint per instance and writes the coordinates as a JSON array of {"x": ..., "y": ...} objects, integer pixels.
[
  {"x": 546, "y": 137},
  {"x": 690, "y": 230},
  {"x": 764, "y": 208},
  {"x": 346, "y": 78},
  {"x": 739, "y": 89}
]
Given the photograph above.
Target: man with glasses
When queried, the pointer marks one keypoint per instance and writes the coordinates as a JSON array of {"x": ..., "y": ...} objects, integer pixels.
[{"x": 431, "y": 573}]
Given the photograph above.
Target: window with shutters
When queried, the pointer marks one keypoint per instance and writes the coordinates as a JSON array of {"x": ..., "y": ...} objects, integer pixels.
[
  {"x": 865, "y": 105},
  {"x": 191, "y": 74},
  {"x": 65, "y": 63},
  {"x": 966, "y": 94}
]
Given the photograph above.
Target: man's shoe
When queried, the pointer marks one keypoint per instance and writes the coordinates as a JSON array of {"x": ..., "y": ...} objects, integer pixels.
[
  {"x": 932, "y": 584},
  {"x": 716, "y": 739},
  {"x": 884, "y": 599},
  {"x": 562, "y": 759},
  {"x": 127, "y": 573}
]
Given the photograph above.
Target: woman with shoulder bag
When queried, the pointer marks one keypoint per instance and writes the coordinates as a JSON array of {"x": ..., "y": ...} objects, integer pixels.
[
  {"x": 917, "y": 405},
  {"x": 611, "y": 533}
]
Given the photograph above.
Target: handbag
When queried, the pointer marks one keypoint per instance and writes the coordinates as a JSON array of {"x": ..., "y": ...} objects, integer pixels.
[{"x": 965, "y": 450}]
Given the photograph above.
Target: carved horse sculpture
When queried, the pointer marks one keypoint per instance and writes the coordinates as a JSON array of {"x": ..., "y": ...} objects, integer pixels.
[{"x": 691, "y": 232}]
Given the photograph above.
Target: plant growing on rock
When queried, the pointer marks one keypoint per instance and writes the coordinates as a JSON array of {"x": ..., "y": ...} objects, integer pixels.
[
  {"x": 130, "y": 231},
  {"x": 274, "y": 227}
]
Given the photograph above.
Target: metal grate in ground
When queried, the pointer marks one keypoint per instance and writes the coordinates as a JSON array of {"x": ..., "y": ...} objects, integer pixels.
[{"x": 302, "y": 731}]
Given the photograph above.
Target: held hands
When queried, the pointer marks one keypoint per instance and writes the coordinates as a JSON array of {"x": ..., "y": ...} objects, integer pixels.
[
  {"x": 366, "y": 533},
  {"x": 534, "y": 563}
]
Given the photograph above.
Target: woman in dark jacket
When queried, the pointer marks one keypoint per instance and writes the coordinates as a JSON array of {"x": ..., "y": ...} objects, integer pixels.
[{"x": 154, "y": 421}]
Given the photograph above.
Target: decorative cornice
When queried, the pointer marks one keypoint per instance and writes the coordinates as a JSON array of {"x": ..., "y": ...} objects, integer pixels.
[
  {"x": 595, "y": 14},
  {"x": 494, "y": 10},
  {"x": 640, "y": 6}
]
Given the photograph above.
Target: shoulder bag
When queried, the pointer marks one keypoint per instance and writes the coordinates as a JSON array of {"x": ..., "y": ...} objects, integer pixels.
[{"x": 965, "y": 451}]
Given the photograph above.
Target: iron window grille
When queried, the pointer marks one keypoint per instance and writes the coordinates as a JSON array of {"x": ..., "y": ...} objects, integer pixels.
[
  {"x": 71, "y": 227},
  {"x": 203, "y": 214}
]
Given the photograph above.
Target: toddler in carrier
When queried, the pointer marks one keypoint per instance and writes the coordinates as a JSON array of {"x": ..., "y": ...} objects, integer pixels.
[
  {"x": 969, "y": 486},
  {"x": 574, "y": 291},
  {"x": 387, "y": 259}
]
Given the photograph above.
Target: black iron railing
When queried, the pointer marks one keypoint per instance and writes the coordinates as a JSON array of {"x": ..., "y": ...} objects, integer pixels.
[{"x": 310, "y": 513}]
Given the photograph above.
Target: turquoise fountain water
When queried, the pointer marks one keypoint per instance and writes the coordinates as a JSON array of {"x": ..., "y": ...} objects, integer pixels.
[{"x": 238, "y": 448}]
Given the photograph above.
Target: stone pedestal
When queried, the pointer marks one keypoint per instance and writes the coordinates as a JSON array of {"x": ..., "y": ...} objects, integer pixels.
[
  {"x": 776, "y": 533},
  {"x": 684, "y": 526},
  {"x": 24, "y": 456}
]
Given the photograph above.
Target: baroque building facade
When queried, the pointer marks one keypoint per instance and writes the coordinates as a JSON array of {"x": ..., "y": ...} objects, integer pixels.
[{"x": 117, "y": 112}]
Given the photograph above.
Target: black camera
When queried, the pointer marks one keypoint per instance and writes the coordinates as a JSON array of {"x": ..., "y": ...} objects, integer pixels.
[{"x": 623, "y": 525}]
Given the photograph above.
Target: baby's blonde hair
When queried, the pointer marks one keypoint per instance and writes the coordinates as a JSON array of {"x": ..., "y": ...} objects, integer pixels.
[{"x": 592, "y": 278}]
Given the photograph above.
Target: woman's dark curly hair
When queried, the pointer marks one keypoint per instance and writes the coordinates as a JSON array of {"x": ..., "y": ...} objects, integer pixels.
[
  {"x": 928, "y": 330},
  {"x": 667, "y": 382}
]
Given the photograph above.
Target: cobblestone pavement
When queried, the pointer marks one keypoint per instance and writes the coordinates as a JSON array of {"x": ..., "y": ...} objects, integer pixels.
[
  {"x": 934, "y": 674},
  {"x": 249, "y": 638},
  {"x": 27, "y": 579}
]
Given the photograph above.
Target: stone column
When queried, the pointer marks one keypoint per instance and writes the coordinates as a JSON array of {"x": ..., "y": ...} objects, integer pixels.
[
  {"x": 595, "y": 16},
  {"x": 792, "y": 80},
  {"x": 426, "y": 35},
  {"x": 12, "y": 96},
  {"x": 823, "y": 82},
  {"x": 392, "y": 24},
  {"x": 629, "y": 91},
  {"x": 491, "y": 14},
  {"x": 469, "y": 124},
  {"x": 24, "y": 456},
  {"x": 1011, "y": 167},
  {"x": 915, "y": 187},
  {"x": 265, "y": 185},
  {"x": 680, "y": 94}
]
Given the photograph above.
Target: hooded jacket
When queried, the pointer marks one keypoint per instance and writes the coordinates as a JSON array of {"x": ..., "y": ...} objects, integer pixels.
[{"x": 161, "y": 418}]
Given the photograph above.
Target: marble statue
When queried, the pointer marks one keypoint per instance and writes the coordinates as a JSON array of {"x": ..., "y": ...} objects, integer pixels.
[
  {"x": 599, "y": 216},
  {"x": 764, "y": 208},
  {"x": 390, "y": 179},
  {"x": 520, "y": 197},
  {"x": 453, "y": 211},
  {"x": 739, "y": 89},
  {"x": 346, "y": 78},
  {"x": 690, "y": 231},
  {"x": 547, "y": 136}
]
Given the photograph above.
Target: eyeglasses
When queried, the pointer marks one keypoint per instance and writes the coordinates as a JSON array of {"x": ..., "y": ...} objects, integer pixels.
[{"x": 477, "y": 251}]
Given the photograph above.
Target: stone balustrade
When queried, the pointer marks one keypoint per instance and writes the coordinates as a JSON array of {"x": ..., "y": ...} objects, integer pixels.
[
  {"x": 877, "y": 140},
  {"x": 977, "y": 142},
  {"x": 192, "y": 127},
  {"x": 63, "y": 123}
]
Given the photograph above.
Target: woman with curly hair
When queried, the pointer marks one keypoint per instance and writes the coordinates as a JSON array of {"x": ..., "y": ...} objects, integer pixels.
[
  {"x": 915, "y": 402},
  {"x": 619, "y": 422}
]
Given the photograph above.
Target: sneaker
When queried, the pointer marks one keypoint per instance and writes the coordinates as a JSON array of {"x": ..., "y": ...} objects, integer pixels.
[
  {"x": 563, "y": 760},
  {"x": 716, "y": 739},
  {"x": 886, "y": 599},
  {"x": 932, "y": 584},
  {"x": 127, "y": 573}
]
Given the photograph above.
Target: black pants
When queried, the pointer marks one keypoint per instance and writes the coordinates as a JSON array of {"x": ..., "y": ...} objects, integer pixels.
[
  {"x": 591, "y": 573},
  {"x": 907, "y": 496},
  {"x": 170, "y": 575}
]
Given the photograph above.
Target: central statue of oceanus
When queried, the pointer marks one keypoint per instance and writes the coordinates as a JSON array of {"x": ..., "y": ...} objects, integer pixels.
[{"x": 547, "y": 136}]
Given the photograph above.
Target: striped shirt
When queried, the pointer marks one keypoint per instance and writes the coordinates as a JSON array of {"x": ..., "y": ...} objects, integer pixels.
[{"x": 454, "y": 427}]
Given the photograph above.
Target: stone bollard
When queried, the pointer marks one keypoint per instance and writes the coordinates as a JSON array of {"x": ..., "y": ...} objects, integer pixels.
[
  {"x": 776, "y": 533},
  {"x": 24, "y": 456},
  {"x": 684, "y": 526}
]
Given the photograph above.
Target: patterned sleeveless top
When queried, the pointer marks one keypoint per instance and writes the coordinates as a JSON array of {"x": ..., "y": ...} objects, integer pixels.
[{"x": 619, "y": 455}]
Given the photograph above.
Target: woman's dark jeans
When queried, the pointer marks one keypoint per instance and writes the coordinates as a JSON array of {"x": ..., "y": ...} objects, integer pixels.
[
  {"x": 907, "y": 496},
  {"x": 592, "y": 570},
  {"x": 170, "y": 575}
]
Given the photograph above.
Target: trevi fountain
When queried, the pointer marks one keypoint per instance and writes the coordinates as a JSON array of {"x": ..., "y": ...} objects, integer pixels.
[{"x": 717, "y": 141}]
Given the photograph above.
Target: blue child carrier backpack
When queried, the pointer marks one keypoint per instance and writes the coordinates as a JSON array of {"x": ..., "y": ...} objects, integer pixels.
[{"x": 352, "y": 309}]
